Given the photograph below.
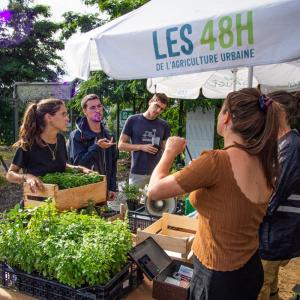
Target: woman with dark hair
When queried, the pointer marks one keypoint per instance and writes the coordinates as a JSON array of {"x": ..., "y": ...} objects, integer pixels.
[
  {"x": 230, "y": 190},
  {"x": 280, "y": 230},
  {"x": 41, "y": 147}
]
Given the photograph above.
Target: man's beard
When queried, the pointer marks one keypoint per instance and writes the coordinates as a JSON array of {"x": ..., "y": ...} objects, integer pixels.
[{"x": 97, "y": 117}]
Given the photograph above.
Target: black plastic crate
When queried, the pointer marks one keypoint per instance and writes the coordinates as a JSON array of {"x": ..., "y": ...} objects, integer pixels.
[
  {"x": 136, "y": 278},
  {"x": 140, "y": 219},
  {"x": 133, "y": 205},
  {"x": 180, "y": 207},
  {"x": 119, "y": 286}
]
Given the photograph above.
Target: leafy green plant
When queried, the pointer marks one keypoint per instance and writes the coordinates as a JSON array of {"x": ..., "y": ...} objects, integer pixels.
[
  {"x": 71, "y": 178},
  {"x": 124, "y": 155},
  {"x": 132, "y": 192},
  {"x": 100, "y": 210},
  {"x": 76, "y": 249}
]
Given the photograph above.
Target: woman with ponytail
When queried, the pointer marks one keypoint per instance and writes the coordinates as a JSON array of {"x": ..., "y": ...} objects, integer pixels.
[
  {"x": 280, "y": 231},
  {"x": 41, "y": 147},
  {"x": 230, "y": 188}
]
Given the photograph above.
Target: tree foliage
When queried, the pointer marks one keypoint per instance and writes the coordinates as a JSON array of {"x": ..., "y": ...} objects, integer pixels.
[
  {"x": 74, "y": 22},
  {"x": 111, "y": 91},
  {"x": 116, "y": 8},
  {"x": 27, "y": 53},
  {"x": 35, "y": 58}
]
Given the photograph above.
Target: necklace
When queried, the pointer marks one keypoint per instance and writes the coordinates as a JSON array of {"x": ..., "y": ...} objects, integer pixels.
[{"x": 53, "y": 152}]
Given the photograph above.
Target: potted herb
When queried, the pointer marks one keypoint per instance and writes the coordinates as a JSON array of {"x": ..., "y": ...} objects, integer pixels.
[
  {"x": 133, "y": 195},
  {"x": 102, "y": 210}
]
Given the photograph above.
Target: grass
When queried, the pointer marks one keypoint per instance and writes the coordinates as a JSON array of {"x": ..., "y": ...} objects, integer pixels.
[
  {"x": 3, "y": 181},
  {"x": 6, "y": 153}
]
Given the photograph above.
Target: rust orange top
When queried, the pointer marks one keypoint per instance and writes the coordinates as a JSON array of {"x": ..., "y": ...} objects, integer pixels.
[{"x": 228, "y": 221}]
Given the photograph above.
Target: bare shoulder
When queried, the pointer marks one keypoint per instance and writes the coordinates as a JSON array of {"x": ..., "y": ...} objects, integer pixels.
[
  {"x": 249, "y": 175},
  {"x": 240, "y": 156}
]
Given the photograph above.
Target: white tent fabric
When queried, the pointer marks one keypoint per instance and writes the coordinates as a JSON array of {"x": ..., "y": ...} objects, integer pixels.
[
  {"x": 81, "y": 55},
  {"x": 218, "y": 84},
  {"x": 172, "y": 37}
]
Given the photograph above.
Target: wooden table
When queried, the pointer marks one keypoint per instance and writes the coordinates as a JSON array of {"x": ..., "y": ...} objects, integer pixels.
[{"x": 143, "y": 292}]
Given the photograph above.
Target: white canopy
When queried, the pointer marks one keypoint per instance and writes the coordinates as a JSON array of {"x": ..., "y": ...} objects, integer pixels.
[
  {"x": 218, "y": 84},
  {"x": 172, "y": 37}
]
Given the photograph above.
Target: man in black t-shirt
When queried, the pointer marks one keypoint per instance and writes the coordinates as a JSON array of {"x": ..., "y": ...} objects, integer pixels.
[
  {"x": 148, "y": 134},
  {"x": 91, "y": 145}
]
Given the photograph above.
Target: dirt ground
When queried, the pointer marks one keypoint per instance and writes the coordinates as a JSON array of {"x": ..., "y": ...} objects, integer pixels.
[
  {"x": 288, "y": 277},
  {"x": 10, "y": 194}
]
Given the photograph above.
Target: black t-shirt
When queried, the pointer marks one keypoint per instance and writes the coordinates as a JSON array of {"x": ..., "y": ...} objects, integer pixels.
[{"x": 39, "y": 161}]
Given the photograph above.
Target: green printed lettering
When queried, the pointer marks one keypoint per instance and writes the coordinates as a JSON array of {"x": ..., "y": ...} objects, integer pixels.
[
  {"x": 226, "y": 34},
  {"x": 207, "y": 36},
  {"x": 247, "y": 27}
]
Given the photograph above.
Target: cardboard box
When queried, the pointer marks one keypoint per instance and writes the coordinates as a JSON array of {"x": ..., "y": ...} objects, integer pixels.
[
  {"x": 157, "y": 266},
  {"x": 173, "y": 233},
  {"x": 66, "y": 199}
]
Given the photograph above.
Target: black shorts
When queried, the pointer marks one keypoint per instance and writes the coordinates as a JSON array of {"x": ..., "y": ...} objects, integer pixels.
[{"x": 242, "y": 284}]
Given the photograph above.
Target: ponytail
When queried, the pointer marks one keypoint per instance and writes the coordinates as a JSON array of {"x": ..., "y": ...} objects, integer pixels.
[
  {"x": 33, "y": 123},
  {"x": 269, "y": 145},
  {"x": 290, "y": 103},
  {"x": 255, "y": 118},
  {"x": 29, "y": 128}
]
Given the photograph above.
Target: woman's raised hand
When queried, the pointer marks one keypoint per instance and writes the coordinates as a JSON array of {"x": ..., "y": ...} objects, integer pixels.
[{"x": 175, "y": 145}]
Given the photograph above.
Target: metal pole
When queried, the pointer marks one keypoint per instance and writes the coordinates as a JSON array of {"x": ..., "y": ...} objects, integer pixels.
[
  {"x": 250, "y": 77},
  {"x": 179, "y": 160},
  {"x": 118, "y": 125},
  {"x": 189, "y": 153},
  {"x": 71, "y": 118},
  {"x": 16, "y": 112},
  {"x": 134, "y": 106},
  {"x": 234, "y": 72},
  {"x": 3, "y": 163},
  {"x": 180, "y": 119}
]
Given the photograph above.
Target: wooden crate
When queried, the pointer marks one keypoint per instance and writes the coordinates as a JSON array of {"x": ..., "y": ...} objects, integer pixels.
[
  {"x": 173, "y": 233},
  {"x": 66, "y": 199}
]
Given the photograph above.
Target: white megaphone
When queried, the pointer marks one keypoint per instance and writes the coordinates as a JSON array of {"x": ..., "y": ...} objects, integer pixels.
[{"x": 158, "y": 207}]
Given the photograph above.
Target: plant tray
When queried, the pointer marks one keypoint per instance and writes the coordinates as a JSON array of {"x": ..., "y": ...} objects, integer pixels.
[
  {"x": 173, "y": 233},
  {"x": 119, "y": 286},
  {"x": 66, "y": 199}
]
